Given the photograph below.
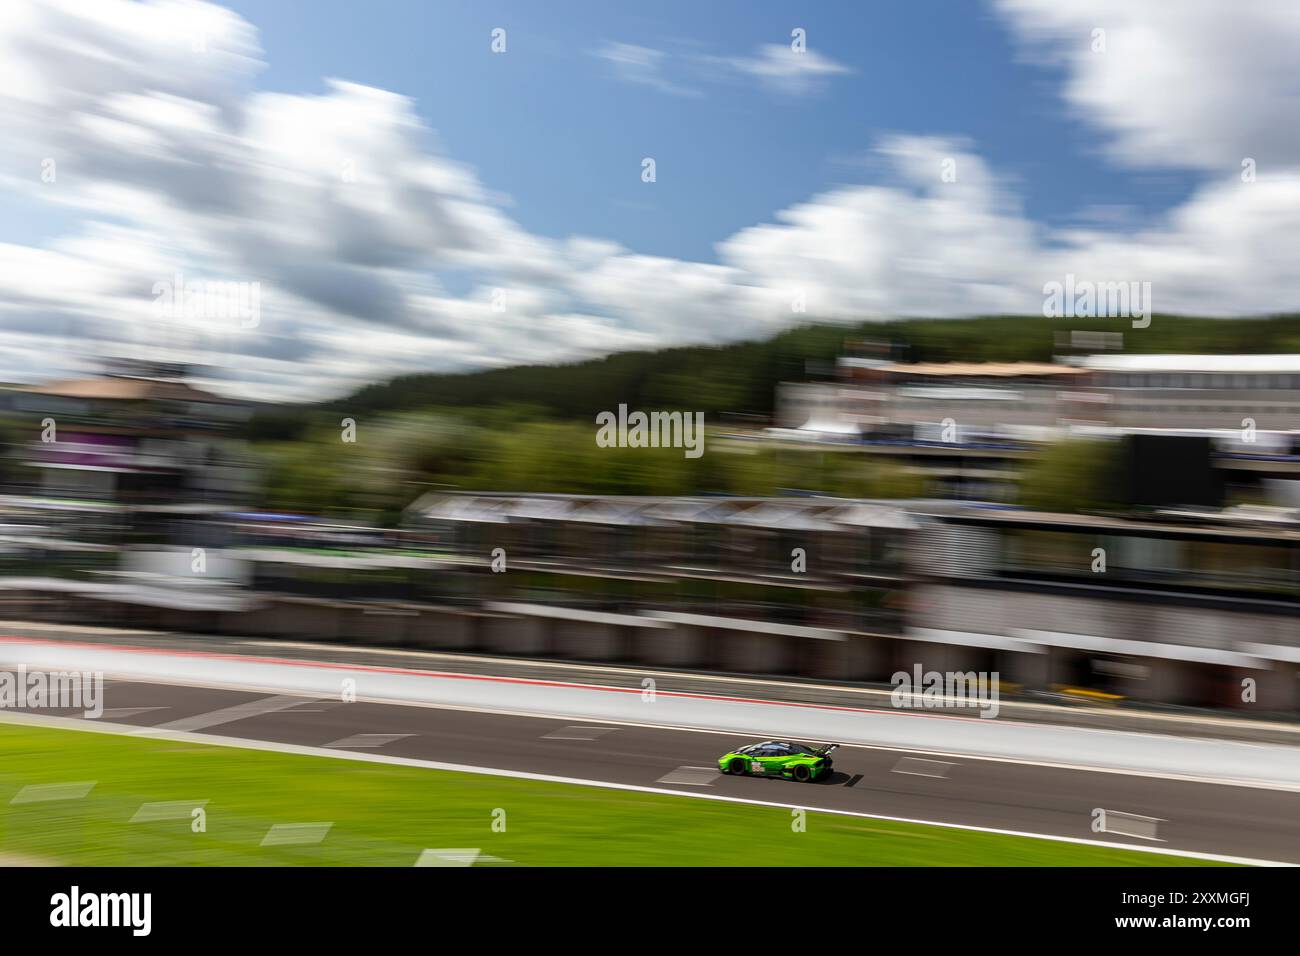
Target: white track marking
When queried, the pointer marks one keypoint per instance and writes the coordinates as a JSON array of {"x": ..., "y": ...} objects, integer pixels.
[
  {"x": 368, "y": 740},
  {"x": 577, "y": 733},
  {"x": 296, "y": 834},
  {"x": 690, "y": 776},
  {"x": 47, "y": 792},
  {"x": 1134, "y": 825},
  {"x": 238, "y": 743},
  {"x": 917, "y": 767},
  {"x": 226, "y": 715},
  {"x": 167, "y": 810},
  {"x": 318, "y": 706},
  {"x": 118, "y": 713}
]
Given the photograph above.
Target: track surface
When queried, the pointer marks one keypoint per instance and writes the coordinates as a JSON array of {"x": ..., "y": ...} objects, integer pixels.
[
  {"x": 1205, "y": 817},
  {"x": 1178, "y": 722}
]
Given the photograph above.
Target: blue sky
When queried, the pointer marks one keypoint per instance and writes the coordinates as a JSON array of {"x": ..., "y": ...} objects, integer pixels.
[
  {"x": 406, "y": 200},
  {"x": 551, "y": 125}
]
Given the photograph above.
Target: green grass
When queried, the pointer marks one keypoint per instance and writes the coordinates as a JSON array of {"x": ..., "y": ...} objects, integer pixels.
[{"x": 385, "y": 815}]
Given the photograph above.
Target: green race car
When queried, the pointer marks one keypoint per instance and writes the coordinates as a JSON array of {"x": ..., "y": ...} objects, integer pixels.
[{"x": 780, "y": 758}]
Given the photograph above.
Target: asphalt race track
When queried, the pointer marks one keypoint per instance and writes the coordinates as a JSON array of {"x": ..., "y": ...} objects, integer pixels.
[{"x": 1239, "y": 821}]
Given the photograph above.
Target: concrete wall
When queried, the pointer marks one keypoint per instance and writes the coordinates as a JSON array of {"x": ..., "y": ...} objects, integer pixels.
[
  {"x": 590, "y": 641},
  {"x": 857, "y": 658},
  {"x": 991, "y": 611},
  {"x": 677, "y": 646}
]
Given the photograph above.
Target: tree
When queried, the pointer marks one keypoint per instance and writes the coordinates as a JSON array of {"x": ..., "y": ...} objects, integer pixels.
[{"x": 1071, "y": 475}]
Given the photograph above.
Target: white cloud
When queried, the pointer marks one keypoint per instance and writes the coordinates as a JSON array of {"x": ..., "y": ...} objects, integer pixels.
[
  {"x": 643, "y": 66},
  {"x": 1197, "y": 83},
  {"x": 920, "y": 246},
  {"x": 927, "y": 247},
  {"x": 782, "y": 68},
  {"x": 345, "y": 209},
  {"x": 779, "y": 68}
]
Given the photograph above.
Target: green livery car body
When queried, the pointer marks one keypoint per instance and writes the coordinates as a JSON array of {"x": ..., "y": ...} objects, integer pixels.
[{"x": 780, "y": 758}]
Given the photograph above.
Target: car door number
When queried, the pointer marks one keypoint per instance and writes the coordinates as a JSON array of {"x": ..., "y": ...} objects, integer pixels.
[{"x": 755, "y": 767}]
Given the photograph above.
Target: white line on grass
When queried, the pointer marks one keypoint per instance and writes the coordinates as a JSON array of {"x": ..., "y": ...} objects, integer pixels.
[
  {"x": 46, "y": 792},
  {"x": 167, "y": 810},
  {"x": 296, "y": 834},
  {"x": 457, "y": 856}
]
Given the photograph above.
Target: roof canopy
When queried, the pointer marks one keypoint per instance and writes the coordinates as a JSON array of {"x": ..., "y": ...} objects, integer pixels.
[
  {"x": 125, "y": 389},
  {"x": 1191, "y": 363},
  {"x": 795, "y": 514},
  {"x": 984, "y": 369}
]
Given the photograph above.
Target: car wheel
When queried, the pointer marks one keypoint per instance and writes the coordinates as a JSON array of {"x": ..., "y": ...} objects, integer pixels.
[
  {"x": 736, "y": 766},
  {"x": 802, "y": 773}
]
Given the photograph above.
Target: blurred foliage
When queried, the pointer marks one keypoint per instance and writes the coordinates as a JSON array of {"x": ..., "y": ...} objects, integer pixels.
[
  {"x": 741, "y": 378},
  {"x": 531, "y": 428},
  {"x": 731, "y": 379},
  {"x": 1075, "y": 475},
  {"x": 9, "y": 445},
  {"x": 396, "y": 458},
  {"x": 276, "y": 423}
]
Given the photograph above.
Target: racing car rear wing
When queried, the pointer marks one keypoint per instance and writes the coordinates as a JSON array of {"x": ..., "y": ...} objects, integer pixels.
[{"x": 826, "y": 750}]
